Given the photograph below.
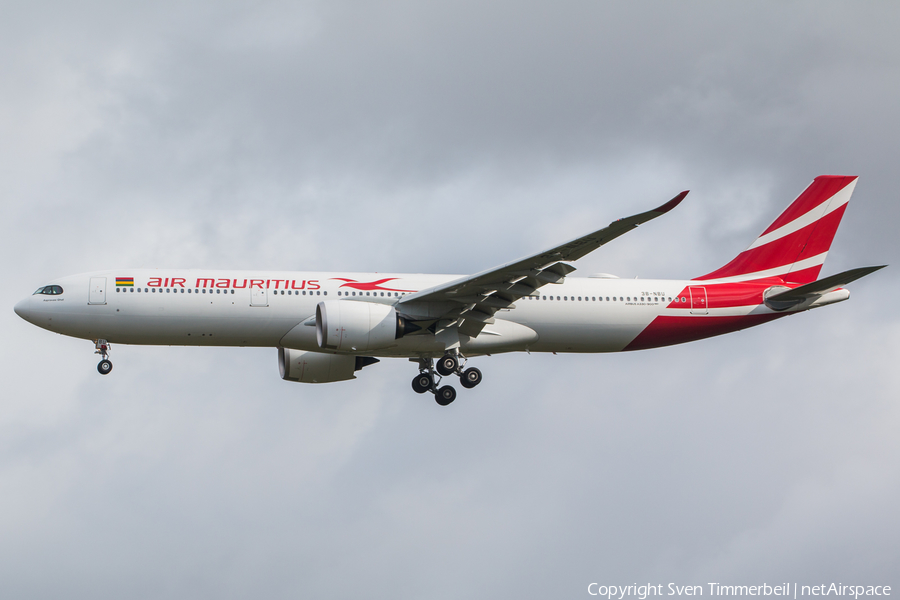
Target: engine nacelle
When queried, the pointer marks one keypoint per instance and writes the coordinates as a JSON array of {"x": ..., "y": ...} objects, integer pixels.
[
  {"x": 317, "y": 367},
  {"x": 347, "y": 326}
]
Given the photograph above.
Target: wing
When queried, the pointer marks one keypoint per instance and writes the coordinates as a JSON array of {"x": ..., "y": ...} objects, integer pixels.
[{"x": 475, "y": 299}]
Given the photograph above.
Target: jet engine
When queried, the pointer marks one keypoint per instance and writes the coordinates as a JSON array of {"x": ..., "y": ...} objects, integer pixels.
[
  {"x": 317, "y": 367},
  {"x": 347, "y": 326}
]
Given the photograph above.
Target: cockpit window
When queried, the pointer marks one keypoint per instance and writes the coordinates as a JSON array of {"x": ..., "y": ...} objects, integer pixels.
[{"x": 49, "y": 290}]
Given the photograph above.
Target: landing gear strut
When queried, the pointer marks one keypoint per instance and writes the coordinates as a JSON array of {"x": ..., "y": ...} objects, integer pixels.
[
  {"x": 429, "y": 377},
  {"x": 105, "y": 365}
]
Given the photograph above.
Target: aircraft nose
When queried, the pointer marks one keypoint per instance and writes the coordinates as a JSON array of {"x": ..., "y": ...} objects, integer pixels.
[{"x": 23, "y": 309}]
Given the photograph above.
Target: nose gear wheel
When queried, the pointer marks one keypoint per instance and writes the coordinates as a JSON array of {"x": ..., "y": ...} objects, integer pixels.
[{"x": 104, "y": 367}]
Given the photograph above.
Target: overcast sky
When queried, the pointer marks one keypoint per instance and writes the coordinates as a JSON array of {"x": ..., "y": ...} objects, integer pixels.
[{"x": 445, "y": 137}]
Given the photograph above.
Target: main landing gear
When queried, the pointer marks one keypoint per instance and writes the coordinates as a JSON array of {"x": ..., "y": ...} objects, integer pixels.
[
  {"x": 105, "y": 365},
  {"x": 429, "y": 377}
]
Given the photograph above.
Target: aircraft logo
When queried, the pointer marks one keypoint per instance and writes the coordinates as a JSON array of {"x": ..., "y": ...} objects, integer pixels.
[{"x": 367, "y": 286}]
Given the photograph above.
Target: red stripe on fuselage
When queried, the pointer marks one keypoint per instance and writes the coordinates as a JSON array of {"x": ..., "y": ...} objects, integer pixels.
[
  {"x": 667, "y": 331},
  {"x": 730, "y": 295}
]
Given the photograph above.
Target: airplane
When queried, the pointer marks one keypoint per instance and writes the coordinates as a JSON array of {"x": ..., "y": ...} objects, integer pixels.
[{"x": 328, "y": 326}]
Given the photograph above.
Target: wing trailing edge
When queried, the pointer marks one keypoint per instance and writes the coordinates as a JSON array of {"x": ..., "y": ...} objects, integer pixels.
[{"x": 481, "y": 295}]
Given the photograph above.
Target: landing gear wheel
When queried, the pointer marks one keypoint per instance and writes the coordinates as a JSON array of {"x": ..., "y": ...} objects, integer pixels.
[
  {"x": 104, "y": 367},
  {"x": 422, "y": 383},
  {"x": 445, "y": 395},
  {"x": 470, "y": 378},
  {"x": 447, "y": 365}
]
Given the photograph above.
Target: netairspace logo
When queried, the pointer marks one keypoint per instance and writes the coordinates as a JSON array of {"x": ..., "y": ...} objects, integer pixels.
[{"x": 642, "y": 592}]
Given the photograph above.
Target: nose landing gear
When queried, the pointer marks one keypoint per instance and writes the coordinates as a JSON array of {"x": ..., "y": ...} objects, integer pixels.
[
  {"x": 105, "y": 365},
  {"x": 429, "y": 377}
]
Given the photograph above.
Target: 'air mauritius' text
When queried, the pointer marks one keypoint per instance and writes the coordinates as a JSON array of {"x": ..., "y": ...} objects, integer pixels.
[{"x": 273, "y": 284}]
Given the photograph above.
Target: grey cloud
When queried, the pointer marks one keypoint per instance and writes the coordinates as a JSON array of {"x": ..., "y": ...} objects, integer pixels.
[{"x": 443, "y": 137}]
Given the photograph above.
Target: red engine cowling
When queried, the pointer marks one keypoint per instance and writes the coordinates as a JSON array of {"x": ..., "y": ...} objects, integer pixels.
[{"x": 347, "y": 326}]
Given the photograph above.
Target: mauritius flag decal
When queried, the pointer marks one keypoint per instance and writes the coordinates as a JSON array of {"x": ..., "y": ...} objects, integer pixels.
[{"x": 125, "y": 281}]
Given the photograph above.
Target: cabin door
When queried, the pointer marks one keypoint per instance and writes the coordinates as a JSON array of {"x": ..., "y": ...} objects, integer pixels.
[
  {"x": 698, "y": 301},
  {"x": 98, "y": 291},
  {"x": 259, "y": 297}
]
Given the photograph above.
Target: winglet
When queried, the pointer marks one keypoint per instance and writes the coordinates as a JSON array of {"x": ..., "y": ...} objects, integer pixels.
[{"x": 672, "y": 203}]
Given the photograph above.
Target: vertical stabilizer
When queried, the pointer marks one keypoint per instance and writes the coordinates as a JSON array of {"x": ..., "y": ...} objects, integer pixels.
[{"x": 795, "y": 245}]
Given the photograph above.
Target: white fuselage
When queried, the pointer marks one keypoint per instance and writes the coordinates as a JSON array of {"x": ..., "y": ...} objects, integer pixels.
[{"x": 277, "y": 309}]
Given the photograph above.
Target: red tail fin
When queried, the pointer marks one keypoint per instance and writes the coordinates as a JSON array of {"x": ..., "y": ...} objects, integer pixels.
[{"x": 795, "y": 245}]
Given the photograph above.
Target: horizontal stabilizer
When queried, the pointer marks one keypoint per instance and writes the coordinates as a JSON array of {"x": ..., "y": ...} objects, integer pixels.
[{"x": 789, "y": 298}]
